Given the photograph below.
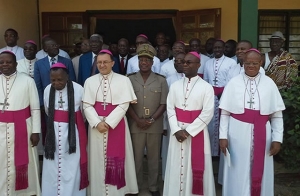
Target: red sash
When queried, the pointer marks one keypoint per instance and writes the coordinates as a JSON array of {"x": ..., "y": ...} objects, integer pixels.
[
  {"x": 259, "y": 121},
  {"x": 63, "y": 116},
  {"x": 115, "y": 154},
  {"x": 218, "y": 90},
  {"x": 19, "y": 117},
  {"x": 197, "y": 148}
]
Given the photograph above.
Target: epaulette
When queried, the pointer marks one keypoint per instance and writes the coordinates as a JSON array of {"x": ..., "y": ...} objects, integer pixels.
[
  {"x": 131, "y": 74},
  {"x": 160, "y": 75}
]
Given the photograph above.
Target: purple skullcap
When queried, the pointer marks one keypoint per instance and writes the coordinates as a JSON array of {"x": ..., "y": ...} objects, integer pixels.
[
  {"x": 195, "y": 54},
  {"x": 8, "y": 51},
  {"x": 106, "y": 51},
  {"x": 253, "y": 50},
  {"x": 143, "y": 35},
  {"x": 58, "y": 65},
  {"x": 44, "y": 36},
  {"x": 182, "y": 42},
  {"x": 31, "y": 42}
]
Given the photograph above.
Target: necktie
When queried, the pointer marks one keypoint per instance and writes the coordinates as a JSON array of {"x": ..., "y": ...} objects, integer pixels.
[
  {"x": 52, "y": 60},
  {"x": 94, "y": 66},
  {"x": 122, "y": 66}
]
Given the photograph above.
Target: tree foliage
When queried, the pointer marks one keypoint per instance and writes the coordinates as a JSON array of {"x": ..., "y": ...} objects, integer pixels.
[{"x": 290, "y": 152}]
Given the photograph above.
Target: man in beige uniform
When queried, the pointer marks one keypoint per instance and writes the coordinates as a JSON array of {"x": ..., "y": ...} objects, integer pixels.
[{"x": 146, "y": 119}]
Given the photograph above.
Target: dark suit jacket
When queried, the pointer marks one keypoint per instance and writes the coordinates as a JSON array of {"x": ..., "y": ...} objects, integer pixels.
[
  {"x": 42, "y": 74},
  {"x": 86, "y": 65},
  {"x": 118, "y": 63}
]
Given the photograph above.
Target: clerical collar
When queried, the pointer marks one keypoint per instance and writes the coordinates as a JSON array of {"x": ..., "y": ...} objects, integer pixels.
[
  {"x": 193, "y": 78},
  {"x": 11, "y": 75},
  {"x": 107, "y": 75},
  {"x": 252, "y": 78},
  {"x": 219, "y": 58}
]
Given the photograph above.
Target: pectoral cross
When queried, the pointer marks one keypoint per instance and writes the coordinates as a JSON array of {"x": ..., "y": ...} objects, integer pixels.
[
  {"x": 184, "y": 105},
  {"x": 61, "y": 102},
  {"x": 5, "y": 103},
  {"x": 104, "y": 105},
  {"x": 250, "y": 103},
  {"x": 215, "y": 81}
]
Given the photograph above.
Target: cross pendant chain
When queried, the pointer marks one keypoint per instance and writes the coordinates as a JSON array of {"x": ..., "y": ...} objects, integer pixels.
[
  {"x": 104, "y": 105},
  {"x": 5, "y": 103},
  {"x": 61, "y": 102}
]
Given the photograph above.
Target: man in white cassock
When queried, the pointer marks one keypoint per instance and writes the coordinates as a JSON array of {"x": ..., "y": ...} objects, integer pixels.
[
  {"x": 178, "y": 65},
  {"x": 217, "y": 73},
  {"x": 195, "y": 45},
  {"x": 26, "y": 65},
  {"x": 65, "y": 159},
  {"x": 190, "y": 107},
  {"x": 251, "y": 130},
  {"x": 20, "y": 128},
  {"x": 168, "y": 70},
  {"x": 106, "y": 98},
  {"x": 242, "y": 47},
  {"x": 11, "y": 38},
  {"x": 133, "y": 62}
]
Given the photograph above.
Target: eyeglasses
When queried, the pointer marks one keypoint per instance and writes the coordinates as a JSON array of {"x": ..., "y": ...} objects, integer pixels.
[
  {"x": 179, "y": 61},
  {"x": 251, "y": 63},
  {"x": 189, "y": 62},
  {"x": 53, "y": 45},
  {"x": 105, "y": 63},
  {"x": 145, "y": 60},
  {"x": 139, "y": 43}
]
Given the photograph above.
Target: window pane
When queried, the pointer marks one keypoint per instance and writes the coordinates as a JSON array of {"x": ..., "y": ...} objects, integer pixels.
[{"x": 189, "y": 22}]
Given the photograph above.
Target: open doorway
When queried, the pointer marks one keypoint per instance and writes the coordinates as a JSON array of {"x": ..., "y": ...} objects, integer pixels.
[{"x": 114, "y": 29}]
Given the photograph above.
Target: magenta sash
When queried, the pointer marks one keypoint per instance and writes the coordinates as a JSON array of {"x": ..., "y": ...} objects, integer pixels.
[
  {"x": 197, "y": 148},
  {"x": 218, "y": 90},
  {"x": 115, "y": 154},
  {"x": 259, "y": 121},
  {"x": 63, "y": 116},
  {"x": 19, "y": 117}
]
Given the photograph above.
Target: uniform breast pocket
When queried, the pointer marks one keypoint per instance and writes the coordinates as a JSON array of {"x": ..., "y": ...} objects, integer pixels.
[{"x": 155, "y": 94}]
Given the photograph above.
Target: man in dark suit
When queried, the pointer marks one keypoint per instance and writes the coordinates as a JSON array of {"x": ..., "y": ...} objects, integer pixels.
[
  {"x": 42, "y": 68},
  {"x": 123, "y": 57},
  {"x": 87, "y": 63}
]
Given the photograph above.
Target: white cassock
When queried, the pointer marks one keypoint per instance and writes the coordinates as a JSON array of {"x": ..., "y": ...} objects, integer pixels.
[
  {"x": 42, "y": 54},
  {"x": 236, "y": 71},
  {"x": 217, "y": 73},
  {"x": 165, "y": 61},
  {"x": 22, "y": 93},
  {"x": 17, "y": 50},
  {"x": 26, "y": 66},
  {"x": 203, "y": 59},
  {"x": 75, "y": 62},
  {"x": 119, "y": 92},
  {"x": 61, "y": 176},
  {"x": 168, "y": 69},
  {"x": 178, "y": 177},
  {"x": 264, "y": 96},
  {"x": 165, "y": 141},
  {"x": 133, "y": 65}
]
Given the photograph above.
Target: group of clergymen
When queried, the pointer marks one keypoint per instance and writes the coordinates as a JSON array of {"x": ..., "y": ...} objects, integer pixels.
[{"x": 203, "y": 106}]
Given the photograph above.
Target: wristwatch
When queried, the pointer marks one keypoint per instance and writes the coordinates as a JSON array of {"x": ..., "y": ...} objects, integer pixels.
[{"x": 151, "y": 120}]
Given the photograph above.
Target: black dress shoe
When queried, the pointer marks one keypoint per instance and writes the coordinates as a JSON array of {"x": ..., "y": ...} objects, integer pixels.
[{"x": 155, "y": 193}]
